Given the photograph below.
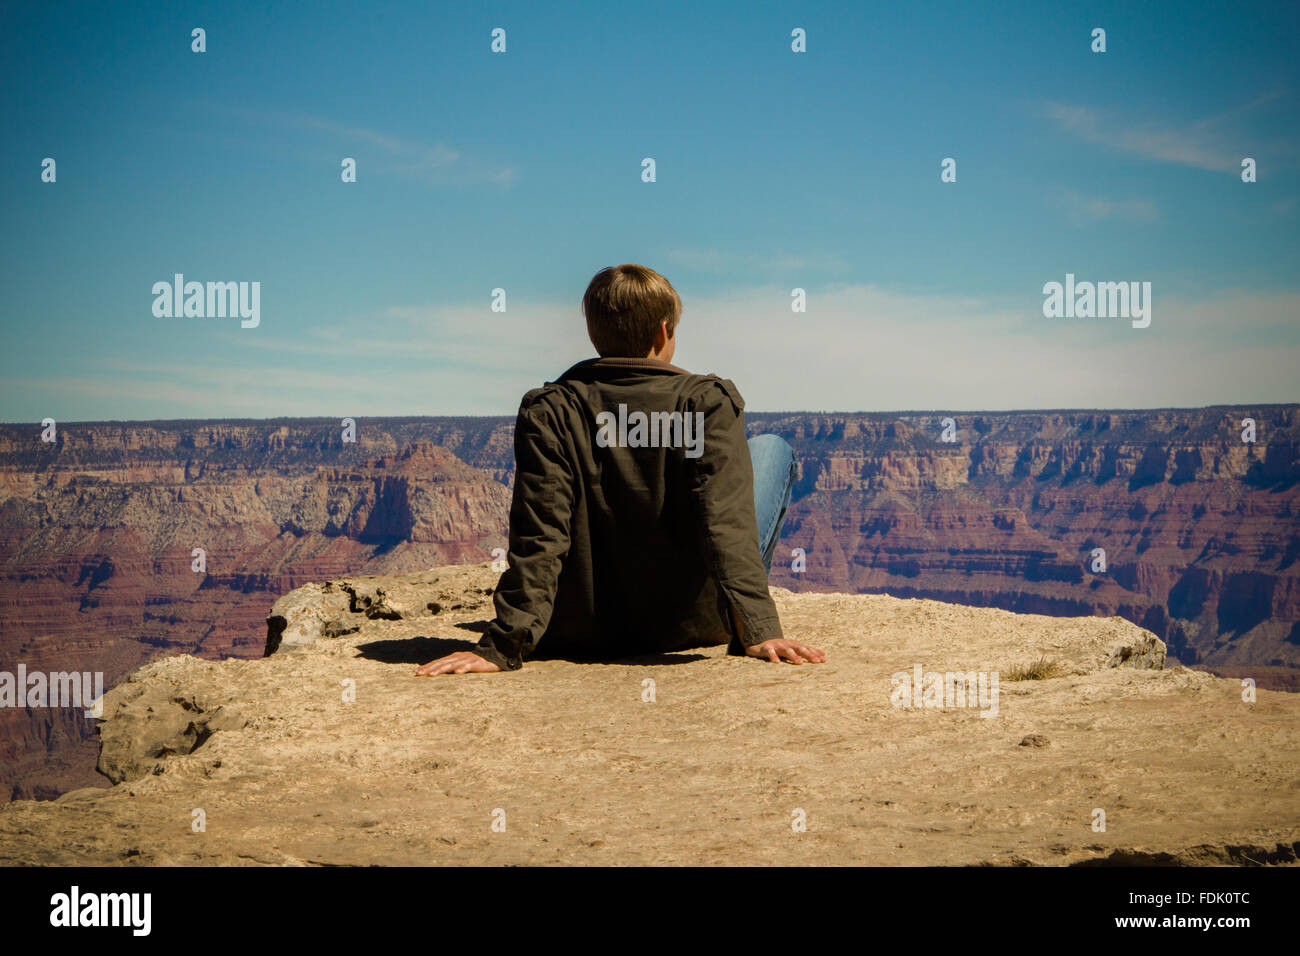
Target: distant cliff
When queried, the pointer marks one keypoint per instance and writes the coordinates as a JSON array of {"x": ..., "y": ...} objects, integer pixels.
[
  {"x": 98, "y": 530},
  {"x": 1200, "y": 530}
]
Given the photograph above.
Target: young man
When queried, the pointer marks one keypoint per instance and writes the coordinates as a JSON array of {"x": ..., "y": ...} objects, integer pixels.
[{"x": 638, "y": 503}]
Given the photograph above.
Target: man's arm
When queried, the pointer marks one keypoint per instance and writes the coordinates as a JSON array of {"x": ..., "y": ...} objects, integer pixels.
[
  {"x": 722, "y": 488},
  {"x": 540, "y": 512}
]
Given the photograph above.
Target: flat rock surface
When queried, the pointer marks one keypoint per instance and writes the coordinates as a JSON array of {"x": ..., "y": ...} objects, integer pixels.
[{"x": 570, "y": 763}]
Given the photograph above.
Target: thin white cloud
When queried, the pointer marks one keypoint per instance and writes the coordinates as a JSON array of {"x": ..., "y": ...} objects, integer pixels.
[
  {"x": 720, "y": 262},
  {"x": 1200, "y": 145},
  {"x": 442, "y": 336},
  {"x": 433, "y": 163},
  {"x": 1087, "y": 209}
]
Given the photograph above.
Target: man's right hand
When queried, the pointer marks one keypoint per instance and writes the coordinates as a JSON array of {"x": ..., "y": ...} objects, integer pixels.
[
  {"x": 461, "y": 662},
  {"x": 779, "y": 649}
]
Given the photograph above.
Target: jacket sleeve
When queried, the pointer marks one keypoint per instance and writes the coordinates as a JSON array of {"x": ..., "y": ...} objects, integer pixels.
[
  {"x": 540, "y": 512},
  {"x": 721, "y": 484}
]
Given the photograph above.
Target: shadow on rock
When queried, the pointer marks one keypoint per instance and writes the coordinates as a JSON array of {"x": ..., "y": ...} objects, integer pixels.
[
  {"x": 421, "y": 650},
  {"x": 413, "y": 650}
]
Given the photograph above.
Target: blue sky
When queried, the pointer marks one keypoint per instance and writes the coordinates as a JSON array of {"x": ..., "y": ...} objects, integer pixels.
[{"x": 522, "y": 170}]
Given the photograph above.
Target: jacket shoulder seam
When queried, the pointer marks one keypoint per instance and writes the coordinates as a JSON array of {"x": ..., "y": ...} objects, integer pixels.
[
  {"x": 534, "y": 395},
  {"x": 728, "y": 388}
]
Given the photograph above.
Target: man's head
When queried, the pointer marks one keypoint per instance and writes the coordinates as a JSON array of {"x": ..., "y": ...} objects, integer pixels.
[{"x": 632, "y": 311}]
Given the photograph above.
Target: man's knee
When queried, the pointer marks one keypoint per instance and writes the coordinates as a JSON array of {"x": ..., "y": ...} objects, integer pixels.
[
  {"x": 770, "y": 442},
  {"x": 768, "y": 447}
]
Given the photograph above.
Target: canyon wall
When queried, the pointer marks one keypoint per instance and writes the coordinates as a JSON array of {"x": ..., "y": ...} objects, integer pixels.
[
  {"x": 1199, "y": 528},
  {"x": 98, "y": 530}
]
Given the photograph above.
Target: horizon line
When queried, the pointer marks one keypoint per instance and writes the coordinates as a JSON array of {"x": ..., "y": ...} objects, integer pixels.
[{"x": 747, "y": 412}]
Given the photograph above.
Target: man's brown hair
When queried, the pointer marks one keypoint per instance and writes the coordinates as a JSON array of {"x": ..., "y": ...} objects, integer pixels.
[{"x": 624, "y": 306}]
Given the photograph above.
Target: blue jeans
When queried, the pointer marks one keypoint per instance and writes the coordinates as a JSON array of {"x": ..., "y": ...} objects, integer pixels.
[{"x": 774, "y": 472}]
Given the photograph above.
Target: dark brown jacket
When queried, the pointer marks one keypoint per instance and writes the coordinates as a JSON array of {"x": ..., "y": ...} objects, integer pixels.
[{"x": 624, "y": 550}]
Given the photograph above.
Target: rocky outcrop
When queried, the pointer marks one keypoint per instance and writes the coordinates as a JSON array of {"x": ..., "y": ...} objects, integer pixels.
[
  {"x": 330, "y": 751},
  {"x": 148, "y": 721},
  {"x": 341, "y": 607}
]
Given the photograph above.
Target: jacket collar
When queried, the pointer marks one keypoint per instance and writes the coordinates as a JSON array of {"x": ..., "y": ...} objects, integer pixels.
[{"x": 647, "y": 364}]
